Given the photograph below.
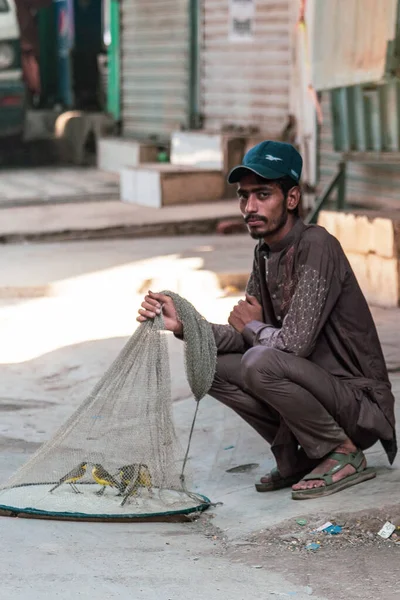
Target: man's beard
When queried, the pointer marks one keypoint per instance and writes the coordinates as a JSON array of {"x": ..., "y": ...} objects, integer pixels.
[{"x": 271, "y": 228}]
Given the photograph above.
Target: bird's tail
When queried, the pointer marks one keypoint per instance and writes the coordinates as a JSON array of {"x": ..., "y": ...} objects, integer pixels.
[
  {"x": 55, "y": 487},
  {"x": 122, "y": 487}
]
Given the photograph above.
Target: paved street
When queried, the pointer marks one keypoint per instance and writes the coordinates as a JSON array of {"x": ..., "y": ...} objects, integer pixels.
[{"x": 57, "y": 344}]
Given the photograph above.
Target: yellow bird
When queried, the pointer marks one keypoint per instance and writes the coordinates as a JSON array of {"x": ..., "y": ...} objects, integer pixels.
[
  {"x": 103, "y": 478},
  {"x": 71, "y": 477},
  {"x": 132, "y": 477}
]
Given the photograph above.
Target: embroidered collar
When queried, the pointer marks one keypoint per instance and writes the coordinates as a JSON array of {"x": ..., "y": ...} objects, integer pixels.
[{"x": 289, "y": 238}]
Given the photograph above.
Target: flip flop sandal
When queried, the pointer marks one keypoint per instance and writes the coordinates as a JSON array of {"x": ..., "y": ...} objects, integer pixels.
[
  {"x": 278, "y": 482},
  {"x": 355, "y": 459}
]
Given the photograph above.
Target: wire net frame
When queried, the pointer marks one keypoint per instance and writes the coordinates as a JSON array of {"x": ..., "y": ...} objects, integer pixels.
[{"x": 117, "y": 458}]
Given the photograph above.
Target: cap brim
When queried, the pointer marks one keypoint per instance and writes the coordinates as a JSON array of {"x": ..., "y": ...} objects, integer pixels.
[{"x": 241, "y": 171}]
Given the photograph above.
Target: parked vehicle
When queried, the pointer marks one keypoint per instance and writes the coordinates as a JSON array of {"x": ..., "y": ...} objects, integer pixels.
[{"x": 12, "y": 88}]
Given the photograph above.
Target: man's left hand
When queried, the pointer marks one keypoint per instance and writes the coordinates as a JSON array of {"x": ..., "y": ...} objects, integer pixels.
[{"x": 246, "y": 311}]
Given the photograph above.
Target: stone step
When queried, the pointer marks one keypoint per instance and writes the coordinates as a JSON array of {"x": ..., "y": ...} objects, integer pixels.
[
  {"x": 163, "y": 184},
  {"x": 89, "y": 220}
]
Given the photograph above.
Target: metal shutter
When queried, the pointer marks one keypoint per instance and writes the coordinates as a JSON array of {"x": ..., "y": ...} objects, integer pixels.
[{"x": 154, "y": 67}]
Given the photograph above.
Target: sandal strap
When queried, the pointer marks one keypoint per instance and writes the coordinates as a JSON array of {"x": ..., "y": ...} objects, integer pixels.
[
  {"x": 355, "y": 459},
  {"x": 274, "y": 474}
]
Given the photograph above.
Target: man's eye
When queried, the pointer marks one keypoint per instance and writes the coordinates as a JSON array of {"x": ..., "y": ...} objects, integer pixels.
[
  {"x": 262, "y": 195},
  {"x": 242, "y": 197}
]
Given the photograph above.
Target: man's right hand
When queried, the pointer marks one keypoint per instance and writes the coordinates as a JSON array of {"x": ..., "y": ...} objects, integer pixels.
[{"x": 154, "y": 304}]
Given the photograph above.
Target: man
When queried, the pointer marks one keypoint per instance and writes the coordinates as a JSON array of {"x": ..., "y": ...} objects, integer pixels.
[
  {"x": 29, "y": 40},
  {"x": 300, "y": 360}
]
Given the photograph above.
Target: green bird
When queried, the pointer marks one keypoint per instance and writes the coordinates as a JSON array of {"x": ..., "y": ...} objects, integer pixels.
[
  {"x": 133, "y": 477},
  {"x": 71, "y": 477}
]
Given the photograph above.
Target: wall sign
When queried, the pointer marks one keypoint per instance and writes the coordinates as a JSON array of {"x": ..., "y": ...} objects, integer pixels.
[{"x": 241, "y": 20}]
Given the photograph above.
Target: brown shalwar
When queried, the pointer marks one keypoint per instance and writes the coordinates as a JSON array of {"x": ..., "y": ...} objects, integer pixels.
[{"x": 312, "y": 373}]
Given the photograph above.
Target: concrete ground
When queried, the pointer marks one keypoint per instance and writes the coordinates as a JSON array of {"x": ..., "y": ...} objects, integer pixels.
[
  {"x": 40, "y": 270},
  {"x": 55, "y": 346}
]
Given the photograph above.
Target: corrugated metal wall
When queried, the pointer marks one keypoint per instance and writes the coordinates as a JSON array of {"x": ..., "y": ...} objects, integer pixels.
[
  {"x": 246, "y": 83},
  {"x": 368, "y": 185},
  {"x": 349, "y": 39},
  {"x": 366, "y": 118},
  {"x": 154, "y": 66}
]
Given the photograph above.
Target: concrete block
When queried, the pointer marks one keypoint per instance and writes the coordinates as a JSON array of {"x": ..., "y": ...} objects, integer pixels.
[
  {"x": 359, "y": 264},
  {"x": 197, "y": 149},
  {"x": 382, "y": 239},
  {"x": 378, "y": 278},
  {"x": 208, "y": 150},
  {"x": 327, "y": 219},
  {"x": 363, "y": 234},
  {"x": 384, "y": 281},
  {"x": 163, "y": 184},
  {"x": 113, "y": 154},
  {"x": 353, "y": 232}
]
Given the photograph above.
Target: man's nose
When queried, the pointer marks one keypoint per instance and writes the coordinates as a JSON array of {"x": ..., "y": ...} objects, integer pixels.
[{"x": 251, "y": 206}]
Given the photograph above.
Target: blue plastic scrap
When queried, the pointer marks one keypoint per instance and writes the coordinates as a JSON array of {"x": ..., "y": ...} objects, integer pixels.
[
  {"x": 313, "y": 546},
  {"x": 333, "y": 529}
]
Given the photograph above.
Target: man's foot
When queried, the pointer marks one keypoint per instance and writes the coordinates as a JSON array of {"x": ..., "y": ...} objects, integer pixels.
[
  {"x": 326, "y": 465},
  {"x": 344, "y": 467},
  {"x": 274, "y": 481}
]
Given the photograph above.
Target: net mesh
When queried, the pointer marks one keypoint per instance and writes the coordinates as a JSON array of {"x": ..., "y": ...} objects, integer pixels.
[{"x": 118, "y": 454}]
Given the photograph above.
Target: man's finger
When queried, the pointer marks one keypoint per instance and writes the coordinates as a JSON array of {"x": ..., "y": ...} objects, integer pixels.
[
  {"x": 152, "y": 301},
  {"x": 147, "y": 313},
  {"x": 162, "y": 298},
  {"x": 141, "y": 319},
  {"x": 152, "y": 307},
  {"x": 251, "y": 299}
]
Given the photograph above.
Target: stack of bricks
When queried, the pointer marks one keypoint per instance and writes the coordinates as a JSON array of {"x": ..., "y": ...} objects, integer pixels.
[{"x": 372, "y": 245}]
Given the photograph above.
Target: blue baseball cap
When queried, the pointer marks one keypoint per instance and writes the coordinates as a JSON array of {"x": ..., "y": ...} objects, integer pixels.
[{"x": 270, "y": 160}]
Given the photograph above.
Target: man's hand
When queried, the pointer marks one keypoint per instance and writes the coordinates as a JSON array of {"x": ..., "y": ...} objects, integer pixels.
[
  {"x": 246, "y": 311},
  {"x": 153, "y": 304}
]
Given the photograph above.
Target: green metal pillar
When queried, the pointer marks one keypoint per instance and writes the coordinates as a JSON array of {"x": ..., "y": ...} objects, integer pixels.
[
  {"x": 114, "y": 62},
  {"x": 194, "y": 64},
  {"x": 341, "y": 187}
]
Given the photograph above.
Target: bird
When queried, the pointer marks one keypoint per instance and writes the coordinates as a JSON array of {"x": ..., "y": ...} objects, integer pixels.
[
  {"x": 103, "y": 478},
  {"x": 132, "y": 477},
  {"x": 71, "y": 477}
]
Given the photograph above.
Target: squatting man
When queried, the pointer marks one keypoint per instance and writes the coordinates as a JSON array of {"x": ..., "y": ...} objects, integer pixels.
[{"x": 300, "y": 359}]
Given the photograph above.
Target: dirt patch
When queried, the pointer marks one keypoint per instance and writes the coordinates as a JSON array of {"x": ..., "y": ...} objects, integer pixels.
[{"x": 356, "y": 564}]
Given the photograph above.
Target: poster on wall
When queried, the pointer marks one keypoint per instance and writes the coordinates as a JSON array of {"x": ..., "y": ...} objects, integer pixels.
[{"x": 241, "y": 20}]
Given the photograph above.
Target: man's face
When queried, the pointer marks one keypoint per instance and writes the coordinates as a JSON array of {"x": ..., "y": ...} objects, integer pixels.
[{"x": 262, "y": 205}]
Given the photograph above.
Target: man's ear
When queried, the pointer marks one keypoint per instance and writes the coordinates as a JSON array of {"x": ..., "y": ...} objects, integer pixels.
[{"x": 293, "y": 198}]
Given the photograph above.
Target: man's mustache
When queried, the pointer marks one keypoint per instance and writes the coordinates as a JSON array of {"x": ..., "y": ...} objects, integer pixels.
[{"x": 255, "y": 218}]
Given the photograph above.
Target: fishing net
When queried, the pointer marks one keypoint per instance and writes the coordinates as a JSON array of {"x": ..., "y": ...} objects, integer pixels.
[{"x": 118, "y": 457}]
